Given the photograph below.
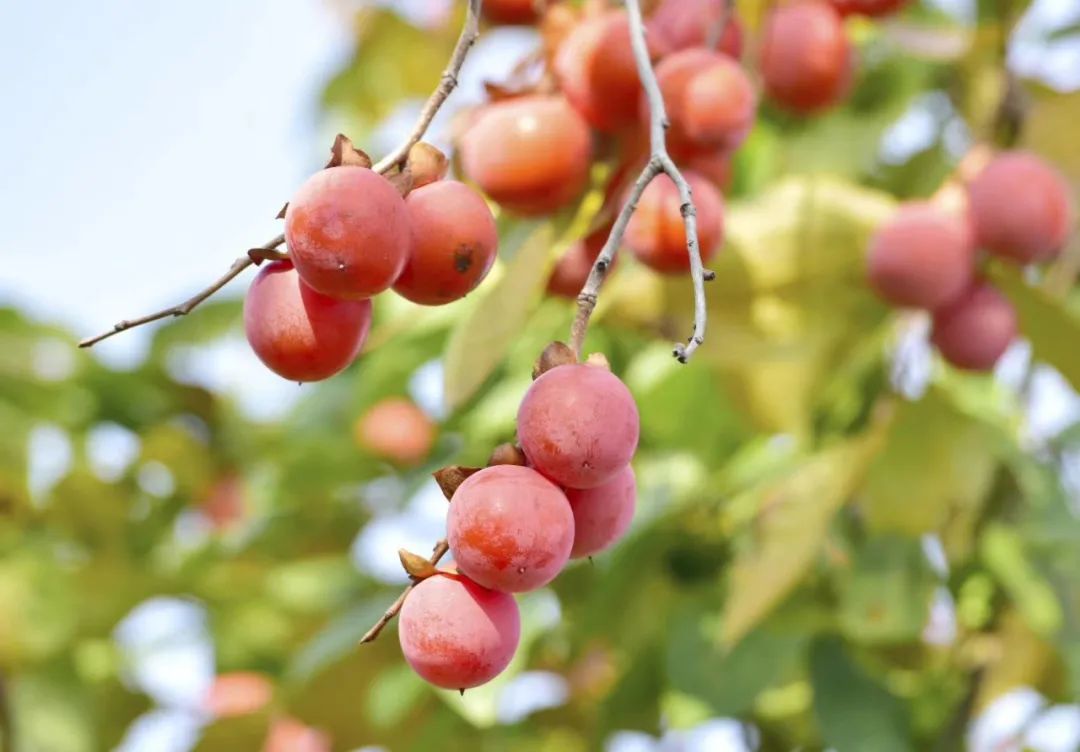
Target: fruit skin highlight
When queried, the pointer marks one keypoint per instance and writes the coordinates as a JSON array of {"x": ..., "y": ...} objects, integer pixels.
[
  {"x": 453, "y": 243},
  {"x": 347, "y": 232},
  {"x": 974, "y": 331},
  {"x": 510, "y": 529},
  {"x": 298, "y": 333},
  {"x": 921, "y": 257},
  {"x": 602, "y": 515},
  {"x": 456, "y": 634},
  {"x": 578, "y": 425},
  {"x": 805, "y": 56},
  {"x": 1021, "y": 208},
  {"x": 531, "y": 154}
]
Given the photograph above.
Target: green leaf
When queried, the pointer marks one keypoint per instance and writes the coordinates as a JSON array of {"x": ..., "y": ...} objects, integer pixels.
[
  {"x": 855, "y": 713},
  {"x": 793, "y": 518},
  {"x": 729, "y": 681},
  {"x": 482, "y": 337},
  {"x": 394, "y": 60},
  {"x": 885, "y": 595},
  {"x": 1051, "y": 329},
  {"x": 937, "y": 464}
]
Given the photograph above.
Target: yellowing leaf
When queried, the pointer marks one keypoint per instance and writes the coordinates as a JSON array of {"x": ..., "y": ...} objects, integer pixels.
[
  {"x": 793, "y": 518},
  {"x": 481, "y": 338}
]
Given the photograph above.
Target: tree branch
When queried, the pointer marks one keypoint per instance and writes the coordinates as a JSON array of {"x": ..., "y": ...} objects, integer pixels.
[
  {"x": 440, "y": 550},
  {"x": 659, "y": 162},
  {"x": 447, "y": 82},
  {"x": 716, "y": 31},
  {"x": 470, "y": 31},
  {"x": 188, "y": 305}
]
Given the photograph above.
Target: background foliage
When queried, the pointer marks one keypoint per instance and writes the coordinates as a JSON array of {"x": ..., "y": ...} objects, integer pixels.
[{"x": 840, "y": 541}]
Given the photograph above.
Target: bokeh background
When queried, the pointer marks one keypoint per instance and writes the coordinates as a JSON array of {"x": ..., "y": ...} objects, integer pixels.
[{"x": 841, "y": 542}]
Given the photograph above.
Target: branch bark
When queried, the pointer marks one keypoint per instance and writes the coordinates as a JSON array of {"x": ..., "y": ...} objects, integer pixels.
[
  {"x": 447, "y": 83},
  {"x": 659, "y": 162}
]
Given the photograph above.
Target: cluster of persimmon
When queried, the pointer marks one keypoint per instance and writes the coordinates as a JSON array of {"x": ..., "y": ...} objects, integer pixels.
[
  {"x": 1018, "y": 209},
  {"x": 351, "y": 234},
  {"x": 530, "y": 149},
  {"x": 566, "y": 491}
]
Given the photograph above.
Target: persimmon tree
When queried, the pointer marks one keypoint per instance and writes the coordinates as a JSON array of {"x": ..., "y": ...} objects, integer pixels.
[{"x": 825, "y": 517}]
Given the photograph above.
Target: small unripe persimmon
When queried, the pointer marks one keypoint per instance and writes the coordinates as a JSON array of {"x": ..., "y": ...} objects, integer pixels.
[
  {"x": 679, "y": 24},
  {"x": 922, "y": 257},
  {"x": 1020, "y": 208},
  {"x": 975, "y": 330},
  {"x": 426, "y": 164},
  {"x": 709, "y": 99},
  {"x": 805, "y": 56},
  {"x": 457, "y": 634},
  {"x": 871, "y": 8},
  {"x": 510, "y": 528},
  {"x": 510, "y": 11},
  {"x": 395, "y": 429},
  {"x": 347, "y": 232},
  {"x": 657, "y": 233},
  {"x": 298, "y": 333},
  {"x": 578, "y": 425},
  {"x": 597, "y": 72},
  {"x": 602, "y": 515},
  {"x": 454, "y": 243},
  {"x": 530, "y": 154}
]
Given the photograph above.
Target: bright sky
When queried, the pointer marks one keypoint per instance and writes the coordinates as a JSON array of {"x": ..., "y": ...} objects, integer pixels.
[{"x": 148, "y": 144}]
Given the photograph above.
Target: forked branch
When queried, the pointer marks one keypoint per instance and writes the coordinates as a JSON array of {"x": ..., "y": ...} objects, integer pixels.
[{"x": 659, "y": 162}]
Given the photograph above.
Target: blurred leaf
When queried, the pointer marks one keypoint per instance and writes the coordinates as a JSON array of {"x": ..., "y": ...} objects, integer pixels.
[
  {"x": 855, "y": 713},
  {"x": 379, "y": 75},
  {"x": 793, "y": 518},
  {"x": 885, "y": 594},
  {"x": 947, "y": 463},
  {"x": 729, "y": 681},
  {"x": 340, "y": 636},
  {"x": 1045, "y": 322},
  {"x": 1003, "y": 552},
  {"x": 481, "y": 338}
]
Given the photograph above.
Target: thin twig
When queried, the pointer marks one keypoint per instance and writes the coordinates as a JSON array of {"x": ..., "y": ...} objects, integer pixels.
[
  {"x": 659, "y": 162},
  {"x": 440, "y": 550},
  {"x": 188, "y": 305},
  {"x": 447, "y": 82},
  {"x": 470, "y": 31},
  {"x": 716, "y": 31}
]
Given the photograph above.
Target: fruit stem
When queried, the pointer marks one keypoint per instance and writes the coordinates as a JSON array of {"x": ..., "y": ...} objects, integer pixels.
[{"x": 440, "y": 551}]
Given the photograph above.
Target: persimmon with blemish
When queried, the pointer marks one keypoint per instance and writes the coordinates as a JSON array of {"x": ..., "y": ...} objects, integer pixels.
[{"x": 454, "y": 243}]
